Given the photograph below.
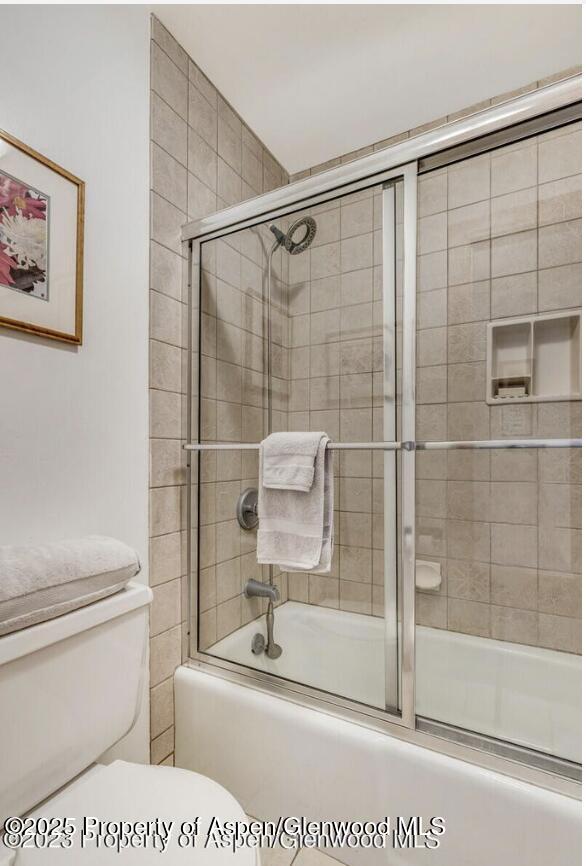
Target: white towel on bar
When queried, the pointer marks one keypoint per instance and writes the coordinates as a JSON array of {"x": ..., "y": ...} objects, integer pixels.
[{"x": 296, "y": 521}]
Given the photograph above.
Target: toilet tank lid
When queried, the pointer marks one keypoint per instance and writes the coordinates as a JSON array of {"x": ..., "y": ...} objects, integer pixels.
[{"x": 36, "y": 637}]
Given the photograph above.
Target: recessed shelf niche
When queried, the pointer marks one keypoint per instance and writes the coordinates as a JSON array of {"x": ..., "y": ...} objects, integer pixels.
[{"x": 534, "y": 358}]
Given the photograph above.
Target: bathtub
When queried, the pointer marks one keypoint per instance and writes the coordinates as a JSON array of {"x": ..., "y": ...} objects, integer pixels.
[
  {"x": 520, "y": 694},
  {"x": 281, "y": 758}
]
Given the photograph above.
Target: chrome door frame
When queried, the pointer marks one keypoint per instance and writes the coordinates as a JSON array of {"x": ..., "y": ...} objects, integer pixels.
[{"x": 386, "y": 164}]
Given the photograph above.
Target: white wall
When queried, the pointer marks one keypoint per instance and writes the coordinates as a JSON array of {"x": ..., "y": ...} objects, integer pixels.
[{"x": 74, "y": 422}]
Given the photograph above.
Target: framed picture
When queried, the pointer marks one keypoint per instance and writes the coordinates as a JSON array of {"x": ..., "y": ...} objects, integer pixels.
[{"x": 41, "y": 244}]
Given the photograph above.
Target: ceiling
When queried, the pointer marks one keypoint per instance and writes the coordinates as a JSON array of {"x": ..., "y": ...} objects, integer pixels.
[{"x": 317, "y": 81}]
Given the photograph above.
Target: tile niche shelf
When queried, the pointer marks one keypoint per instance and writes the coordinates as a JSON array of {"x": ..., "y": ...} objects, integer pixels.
[{"x": 534, "y": 358}]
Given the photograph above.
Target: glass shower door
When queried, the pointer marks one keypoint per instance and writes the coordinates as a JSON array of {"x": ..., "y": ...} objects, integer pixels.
[{"x": 329, "y": 362}]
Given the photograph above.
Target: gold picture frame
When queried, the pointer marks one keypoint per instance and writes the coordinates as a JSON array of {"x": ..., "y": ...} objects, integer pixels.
[{"x": 41, "y": 244}]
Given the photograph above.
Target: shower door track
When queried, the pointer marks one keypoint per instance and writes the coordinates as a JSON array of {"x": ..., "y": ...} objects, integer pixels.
[{"x": 402, "y": 161}]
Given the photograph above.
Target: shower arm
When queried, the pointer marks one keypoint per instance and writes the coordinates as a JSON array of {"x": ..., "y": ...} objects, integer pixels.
[{"x": 274, "y": 248}]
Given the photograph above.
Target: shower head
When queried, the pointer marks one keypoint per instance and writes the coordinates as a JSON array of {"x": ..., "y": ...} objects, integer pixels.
[{"x": 288, "y": 240}]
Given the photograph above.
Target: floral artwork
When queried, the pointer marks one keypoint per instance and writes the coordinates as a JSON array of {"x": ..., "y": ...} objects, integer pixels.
[{"x": 23, "y": 237}]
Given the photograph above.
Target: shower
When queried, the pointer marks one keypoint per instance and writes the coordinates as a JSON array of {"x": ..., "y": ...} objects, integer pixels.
[
  {"x": 288, "y": 240},
  {"x": 293, "y": 246}
]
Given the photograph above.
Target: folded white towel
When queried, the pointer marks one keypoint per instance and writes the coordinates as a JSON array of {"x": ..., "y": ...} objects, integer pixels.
[
  {"x": 40, "y": 583},
  {"x": 289, "y": 460},
  {"x": 295, "y": 522}
]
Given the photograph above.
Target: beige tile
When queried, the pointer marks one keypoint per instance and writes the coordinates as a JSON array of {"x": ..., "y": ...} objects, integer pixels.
[
  {"x": 560, "y": 632},
  {"x": 229, "y": 183},
  {"x": 431, "y": 465},
  {"x": 169, "y": 45},
  {"x": 559, "y": 419},
  {"x": 356, "y": 562},
  {"x": 165, "y": 414},
  {"x": 560, "y": 200},
  {"x": 560, "y": 287},
  {"x": 560, "y": 505},
  {"x": 466, "y": 382},
  {"x": 202, "y": 160},
  {"x": 324, "y": 591},
  {"x": 431, "y": 422},
  {"x": 431, "y": 610},
  {"x": 432, "y": 384},
  {"x": 325, "y": 327},
  {"x": 165, "y": 611},
  {"x": 230, "y": 144},
  {"x": 355, "y": 356},
  {"x": 228, "y": 580},
  {"x": 165, "y": 655},
  {"x": 468, "y": 465},
  {"x": 469, "y": 224},
  {"x": 356, "y": 287},
  {"x": 356, "y": 253},
  {"x": 513, "y": 544},
  {"x": 469, "y": 617},
  {"x": 228, "y": 617},
  {"x": 167, "y": 467},
  {"x": 430, "y": 536},
  {"x": 466, "y": 342},
  {"x": 203, "y": 84},
  {"x": 168, "y": 177},
  {"x": 165, "y": 514},
  {"x": 468, "y": 500},
  {"x": 356, "y": 218},
  {"x": 560, "y": 593},
  {"x": 513, "y": 169},
  {"x": 166, "y": 223},
  {"x": 313, "y": 857},
  {"x": 514, "y": 212},
  {"x": 512, "y": 586},
  {"x": 559, "y": 157},
  {"x": 559, "y": 549},
  {"x": 432, "y": 233},
  {"x": 298, "y": 587},
  {"x": 469, "y": 302},
  {"x": 165, "y": 558},
  {"x": 513, "y": 502},
  {"x": 468, "y": 421},
  {"x": 277, "y": 856},
  {"x": 469, "y": 540},
  {"x": 517, "y": 465},
  {"x": 510, "y": 624},
  {"x": 356, "y": 597},
  {"x": 165, "y": 271},
  {"x": 469, "y": 182},
  {"x": 432, "y": 192},
  {"x": 356, "y": 494},
  {"x": 514, "y": 254},
  {"x": 168, "y": 129},
  {"x": 203, "y": 117},
  {"x": 432, "y": 309},
  {"x": 168, "y": 81},
  {"x": 469, "y": 263},
  {"x": 430, "y": 498},
  {"x": 325, "y": 261},
  {"x": 207, "y": 628},
  {"x": 432, "y": 271},
  {"x": 207, "y": 597},
  {"x": 162, "y": 746},
  {"x": 166, "y": 323},
  {"x": 432, "y": 347},
  {"x": 161, "y": 707},
  {"x": 325, "y": 294},
  {"x": 469, "y": 580},
  {"x": 514, "y": 295},
  {"x": 560, "y": 244},
  {"x": 356, "y": 391}
]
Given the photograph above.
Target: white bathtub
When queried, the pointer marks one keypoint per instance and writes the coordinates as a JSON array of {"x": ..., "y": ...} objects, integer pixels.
[{"x": 525, "y": 695}]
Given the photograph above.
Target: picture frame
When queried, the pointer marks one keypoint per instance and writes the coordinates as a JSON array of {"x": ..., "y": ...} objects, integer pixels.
[{"x": 41, "y": 244}]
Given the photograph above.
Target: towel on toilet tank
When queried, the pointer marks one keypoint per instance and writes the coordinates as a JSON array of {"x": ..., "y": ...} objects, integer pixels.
[
  {"x": 40, "y": 583},
  {"x": 296, "y": 502}
]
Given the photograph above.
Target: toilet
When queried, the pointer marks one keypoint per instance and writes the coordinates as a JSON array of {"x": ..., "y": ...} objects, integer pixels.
[{"x": 70, "y": 688}]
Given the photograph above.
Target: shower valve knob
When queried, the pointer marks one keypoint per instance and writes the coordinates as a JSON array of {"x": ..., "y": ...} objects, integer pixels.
[{"x": 247, "y": 508}]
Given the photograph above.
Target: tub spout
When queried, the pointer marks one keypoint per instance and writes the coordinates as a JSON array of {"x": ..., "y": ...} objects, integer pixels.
[{"x": 255, "y": 588}]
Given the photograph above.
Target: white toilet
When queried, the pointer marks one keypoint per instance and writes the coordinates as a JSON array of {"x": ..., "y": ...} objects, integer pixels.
[{"x": 70, "y": 688}]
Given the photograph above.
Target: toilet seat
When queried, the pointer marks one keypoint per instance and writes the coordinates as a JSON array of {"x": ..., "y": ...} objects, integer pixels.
[{"x": 134, "y": 792}]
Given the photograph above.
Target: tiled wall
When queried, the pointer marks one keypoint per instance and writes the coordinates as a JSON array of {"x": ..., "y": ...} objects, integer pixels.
[
  {"x": 335, "y": 335},
  {"x": 491, "y": 519},
  {"x": 499, "y": 236},
  {"x": 203, "y": 159}
]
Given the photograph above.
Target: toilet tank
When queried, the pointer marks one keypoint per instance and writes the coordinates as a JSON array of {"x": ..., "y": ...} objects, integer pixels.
[{"x": 69, "y": 689}]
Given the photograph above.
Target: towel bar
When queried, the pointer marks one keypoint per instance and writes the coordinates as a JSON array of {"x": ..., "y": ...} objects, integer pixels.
[{"x": 402, "y": 446}]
